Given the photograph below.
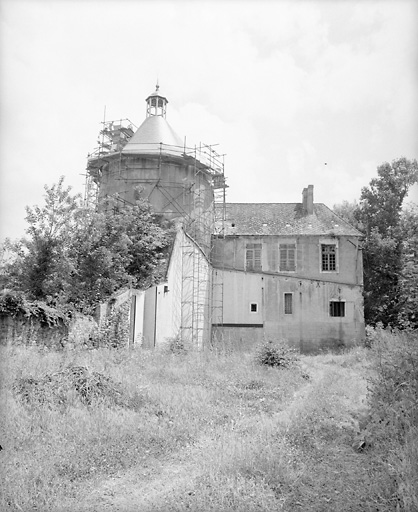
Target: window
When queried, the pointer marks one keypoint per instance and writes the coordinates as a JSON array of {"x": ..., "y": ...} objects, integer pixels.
[
  {"x": 328, "y": 257},
  {"x": 288, "y": 303},
  {"x": 336, "y": 308},
  {"x": 253, "y": 307},
  {"x": 287, "y": 257},
  {"x": 253, "y": 257}
]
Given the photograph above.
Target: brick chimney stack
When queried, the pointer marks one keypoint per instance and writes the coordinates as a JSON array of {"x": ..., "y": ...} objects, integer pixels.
[{"x": 307, "y": 200}]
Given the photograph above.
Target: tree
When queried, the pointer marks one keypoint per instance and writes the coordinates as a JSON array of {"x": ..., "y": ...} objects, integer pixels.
[
  {"x": 80, "y": 256},
  {"x": 408, "y": 282},
  {"x": 42, "y": 259},
  {"x": 381, "y": 202},
  {"x": 117, "y": 246},
  {"x": 388, "y": 238},
  {"x": 380, "y": 213},
  {"x": 348, "y": 212}
]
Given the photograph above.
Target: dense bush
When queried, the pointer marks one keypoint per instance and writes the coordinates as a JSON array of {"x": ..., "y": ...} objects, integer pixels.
[
  {"x": 113, "y": 332},
  {"x": 13, "y": 304},
  {"x": 275, "y": 353}
]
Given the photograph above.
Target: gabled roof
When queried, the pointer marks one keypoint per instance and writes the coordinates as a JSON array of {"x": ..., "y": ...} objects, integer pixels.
[
  {"x": 153, "y": 135},
  {"x": 284, "y": 219}
]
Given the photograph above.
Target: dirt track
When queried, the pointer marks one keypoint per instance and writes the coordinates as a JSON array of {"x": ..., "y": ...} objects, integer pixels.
[{"x": 343, "y": 473}]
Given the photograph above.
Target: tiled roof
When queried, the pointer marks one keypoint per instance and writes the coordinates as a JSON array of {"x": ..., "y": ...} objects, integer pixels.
[
  {"x": 153, "y": 135},
  {"x": 284, "y": 219}
]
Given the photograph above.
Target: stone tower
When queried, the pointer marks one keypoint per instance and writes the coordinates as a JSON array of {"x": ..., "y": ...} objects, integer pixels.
[{"x": 153, "y": 162}]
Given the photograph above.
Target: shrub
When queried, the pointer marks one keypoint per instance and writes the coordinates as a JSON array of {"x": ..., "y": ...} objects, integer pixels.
[
  {"x": 270, "y": 353},
  {"x": 176, "y": 345},
  {"x": 113, "y": 332}
]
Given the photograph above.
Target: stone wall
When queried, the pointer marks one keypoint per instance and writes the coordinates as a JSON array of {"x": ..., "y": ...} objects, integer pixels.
[{"x": 21, "y": 330}]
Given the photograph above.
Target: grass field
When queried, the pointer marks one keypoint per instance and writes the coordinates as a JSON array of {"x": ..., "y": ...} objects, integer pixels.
[{"x": 106, "y": 430}]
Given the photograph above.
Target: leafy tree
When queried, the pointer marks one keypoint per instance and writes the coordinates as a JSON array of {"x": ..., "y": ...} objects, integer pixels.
[
  {"x": 79, "y": 256},
  {"x": 42, "y": 259},
  {"x": 388, "y": 247},
  {"x": 381, "y": 202},
  {"x": 117, "y": 246},
  {"x": 408, "y": 282},
  {"x": 348, "y": 212}
]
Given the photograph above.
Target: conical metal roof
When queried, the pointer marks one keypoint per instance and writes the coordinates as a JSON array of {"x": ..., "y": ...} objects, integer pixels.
[{"x": 154, "y": 136}]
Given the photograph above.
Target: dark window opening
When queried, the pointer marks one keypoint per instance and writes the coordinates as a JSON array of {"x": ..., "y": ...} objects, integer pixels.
[
  {"x": 337, "y": 308},
  {"x": 253, "y": 257},
  {"x": 329, "y": 257},
  {"x": 253, "y": 307},
  {"x": 287, "y": 257},
  {"x": 288, "y": 303}
]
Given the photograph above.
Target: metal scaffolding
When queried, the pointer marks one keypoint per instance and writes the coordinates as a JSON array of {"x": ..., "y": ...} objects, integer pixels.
[
  {"x": 202, "y": 214},
  {"x": 113, "y": 137}
]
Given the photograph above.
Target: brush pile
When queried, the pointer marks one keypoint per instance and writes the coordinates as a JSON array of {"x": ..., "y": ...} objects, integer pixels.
[{"x": 71, "y": 384}]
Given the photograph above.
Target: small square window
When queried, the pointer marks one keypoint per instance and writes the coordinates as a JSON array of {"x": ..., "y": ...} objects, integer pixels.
[
  {"x": 288, "y": 303},
  {"x": 253, "y": 307},
  {"x": 336, "y": 308}
]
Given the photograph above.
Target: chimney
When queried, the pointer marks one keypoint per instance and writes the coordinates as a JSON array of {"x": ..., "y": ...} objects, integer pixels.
[{"x": 307, "y": 200}]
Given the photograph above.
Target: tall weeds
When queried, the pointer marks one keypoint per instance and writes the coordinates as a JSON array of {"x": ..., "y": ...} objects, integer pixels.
[{"x": 393, "y": 426}]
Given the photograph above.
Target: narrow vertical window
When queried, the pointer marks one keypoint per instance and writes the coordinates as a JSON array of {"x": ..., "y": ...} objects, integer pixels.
[
  {"x": 287, "y": 257},
  {"x": 336, "y": 308},
  {"x": 253, "y": 307},
  {"x": 328, "y": 257},
  {"x": 253, "y": 257},
  {"x": 288, "y": 303}
]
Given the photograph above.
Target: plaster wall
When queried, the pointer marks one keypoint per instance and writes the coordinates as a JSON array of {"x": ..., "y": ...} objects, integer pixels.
[
  {"x": 180, "y": 305},
  {"x": 310, "y": 327},
  {"x": 229, "y": 253},
  {"x": 169, "y": 296}
]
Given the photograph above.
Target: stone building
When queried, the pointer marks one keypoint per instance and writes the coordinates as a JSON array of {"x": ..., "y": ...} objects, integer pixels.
[{"x": 238, "y": 272}]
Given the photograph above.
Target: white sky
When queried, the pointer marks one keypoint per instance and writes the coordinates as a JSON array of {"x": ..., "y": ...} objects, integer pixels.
[{"x": 283, "y": 87}]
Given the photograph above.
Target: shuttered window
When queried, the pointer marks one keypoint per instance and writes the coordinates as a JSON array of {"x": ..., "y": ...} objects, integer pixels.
[
  {"x": 336, "y": 308},
  {"x": 253, "y": 257},
  {"x": 287, "y": 257},
  {"x": 288, "y": 303}
]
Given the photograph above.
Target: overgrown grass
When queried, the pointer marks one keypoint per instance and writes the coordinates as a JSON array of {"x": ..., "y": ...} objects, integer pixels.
[
  {"x": 203, "y": 432},
  {"x": 54, "y": 440}
]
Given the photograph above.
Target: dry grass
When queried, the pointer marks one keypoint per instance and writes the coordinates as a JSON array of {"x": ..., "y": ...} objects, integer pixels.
[{"x": 193, "y": 431}]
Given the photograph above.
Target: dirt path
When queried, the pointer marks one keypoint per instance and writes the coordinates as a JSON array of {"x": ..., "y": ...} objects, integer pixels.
[{"x": 146, "y": 488}]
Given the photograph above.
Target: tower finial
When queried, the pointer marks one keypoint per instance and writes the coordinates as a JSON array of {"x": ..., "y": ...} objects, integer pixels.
[{"x": 157, "y": 86}]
